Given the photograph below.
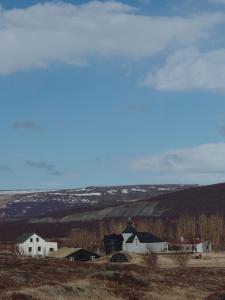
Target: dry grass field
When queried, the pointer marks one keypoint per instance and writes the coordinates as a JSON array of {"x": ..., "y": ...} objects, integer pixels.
[{"x": 58, "y": 279}]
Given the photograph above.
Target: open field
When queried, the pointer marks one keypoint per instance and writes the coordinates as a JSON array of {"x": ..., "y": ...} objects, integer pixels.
[
  {"x": 55, "y": 279},
  {"x": 209, "y": 260}
]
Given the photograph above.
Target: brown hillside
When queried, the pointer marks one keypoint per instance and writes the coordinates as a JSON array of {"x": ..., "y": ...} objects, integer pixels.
[{"x": 209, "y": 200}]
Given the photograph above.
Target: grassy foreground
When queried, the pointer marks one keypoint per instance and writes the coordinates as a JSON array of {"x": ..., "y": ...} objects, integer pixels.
[{"x": 48, "y": 279}]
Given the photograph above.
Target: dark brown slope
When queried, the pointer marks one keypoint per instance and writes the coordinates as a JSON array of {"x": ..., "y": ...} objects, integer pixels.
[{"x": 195, "y": 201}]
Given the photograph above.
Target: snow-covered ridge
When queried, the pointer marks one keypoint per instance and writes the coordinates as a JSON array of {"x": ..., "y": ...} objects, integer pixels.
[
  {"x": 32, "y": 203},
  {"x": 88, "y": 194},
  {"x": 138, "y": 190}
]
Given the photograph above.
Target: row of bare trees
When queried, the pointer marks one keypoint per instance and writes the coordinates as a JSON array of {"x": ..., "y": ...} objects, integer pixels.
[{"x": 211, "y": 228}]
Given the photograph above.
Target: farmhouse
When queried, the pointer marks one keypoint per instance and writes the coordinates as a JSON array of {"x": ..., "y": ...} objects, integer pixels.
[
  {"x": 141, "y": 242},
  {"x": 31, "y": 244},
  {"x": 73, "y": 254}
]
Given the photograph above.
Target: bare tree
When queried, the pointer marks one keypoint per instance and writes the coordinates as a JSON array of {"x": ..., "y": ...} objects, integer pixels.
[
  {"x": 151, "y": 259},
  {"x": 181, "y": 258}
]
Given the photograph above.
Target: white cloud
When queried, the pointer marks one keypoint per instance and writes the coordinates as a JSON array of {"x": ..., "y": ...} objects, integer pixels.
[
  {"x": 206, "y": 160},
  {"x": 36, "y": 36},
  {"x": 189, "y": 69}
]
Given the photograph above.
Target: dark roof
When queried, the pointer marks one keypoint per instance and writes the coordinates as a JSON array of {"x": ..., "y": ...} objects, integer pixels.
[
  {"x": 144, "y": 237},
  {"x": 119, "y": 257},
  {"x": 23, "y": 237},
  {"x": 130, "y": 228},
  {"x": 82, "y": 254},
  {"x": 113, "y": 237}
]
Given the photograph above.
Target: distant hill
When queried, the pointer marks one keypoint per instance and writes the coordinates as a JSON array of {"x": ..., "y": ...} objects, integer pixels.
[
  {"x": 26, "y": 204},
  {"x": 54, "y": 214},
  {"x": 193, "y": 201}
]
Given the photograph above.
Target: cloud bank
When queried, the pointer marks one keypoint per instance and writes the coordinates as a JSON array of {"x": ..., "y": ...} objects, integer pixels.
[
  {"x": 204, "y": 160},
  {"x": 42, "y": 34},
  {"x": 189, "y": 69}
]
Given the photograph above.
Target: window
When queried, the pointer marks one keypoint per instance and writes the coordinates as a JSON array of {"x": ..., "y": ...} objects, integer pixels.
[
  {"x": 39, "y": 248},
  {"x": 30, "y": 249},
  {"x": 51, "y": 249},
  {"x": 92, "y": 258},
  {"x": 31, "y": 240},
  {"x": 37, "y": 239},
  {"x": 71, "y": 258}
]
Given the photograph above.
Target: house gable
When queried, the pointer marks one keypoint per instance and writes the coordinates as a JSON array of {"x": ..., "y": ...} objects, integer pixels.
[
  {"x": 24, "y": 237},
  {"x": 144, "y": 237},
  {"x": 29, "y": 237}
]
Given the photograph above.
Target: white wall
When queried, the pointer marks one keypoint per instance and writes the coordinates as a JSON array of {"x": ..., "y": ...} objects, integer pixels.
[
  {"x": 125, "y": 238},
  {"x": 35, "y": 246},
  {"x": 51, "y": 247},
  {"x": 199, "y": 248},
  {"x": 137, "y": 247}
]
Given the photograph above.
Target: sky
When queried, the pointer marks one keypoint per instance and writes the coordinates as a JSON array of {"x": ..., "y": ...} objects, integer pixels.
[{"x": 111, "y": 93}]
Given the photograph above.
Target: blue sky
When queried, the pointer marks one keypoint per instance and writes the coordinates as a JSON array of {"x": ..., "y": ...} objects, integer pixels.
[{"x": 106, "y": 93}]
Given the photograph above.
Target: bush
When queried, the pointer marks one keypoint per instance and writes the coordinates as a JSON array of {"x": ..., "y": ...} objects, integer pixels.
[
  {"x": 151, "y": 260},
  {"x": 181, "y": 258}
]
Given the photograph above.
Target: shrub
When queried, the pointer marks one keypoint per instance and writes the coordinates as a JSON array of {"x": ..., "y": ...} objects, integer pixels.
[
  {"x": 151, "y": 259},
  {"x": 181, "y": 258}
]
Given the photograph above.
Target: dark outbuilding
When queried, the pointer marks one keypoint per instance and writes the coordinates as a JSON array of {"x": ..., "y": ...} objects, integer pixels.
[
  {"x": 73, "y": 254},
  {"x": 119, "y": 258},
  {"x": 113, "y": 243},
  {"x": 82, "y": 255}
]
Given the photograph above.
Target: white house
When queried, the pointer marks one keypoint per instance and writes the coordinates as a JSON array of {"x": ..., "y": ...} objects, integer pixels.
[
  {"x": 31, "y": 244},
  {"x": 141, "y": 242}
]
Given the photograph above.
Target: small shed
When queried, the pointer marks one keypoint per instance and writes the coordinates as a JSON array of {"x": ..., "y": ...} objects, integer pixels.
[
  {"x": 77, "y": 254},
  {"x": 113, "y": 243},
  {"x": 82, "y": 255},
  {"x": 118, "y": 258}
]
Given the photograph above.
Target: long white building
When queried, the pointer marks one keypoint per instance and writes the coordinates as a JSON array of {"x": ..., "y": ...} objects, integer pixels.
[{"x": 141, "y": 242}]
